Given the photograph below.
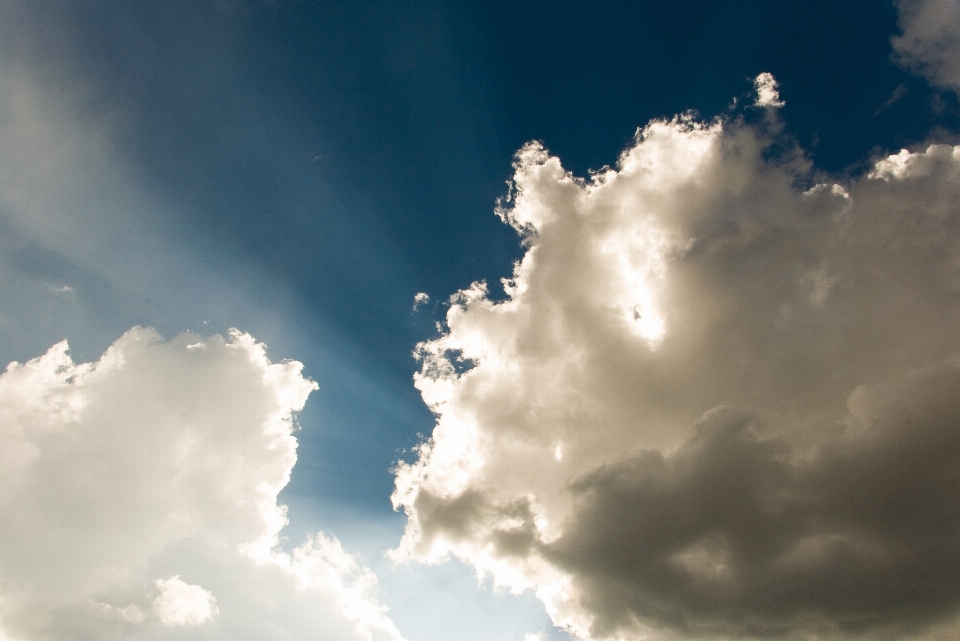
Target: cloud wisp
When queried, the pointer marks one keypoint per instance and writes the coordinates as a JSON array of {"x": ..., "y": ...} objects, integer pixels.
[
  {"x": 140, "y": 500},
  {"x": 719, "y": 399}
]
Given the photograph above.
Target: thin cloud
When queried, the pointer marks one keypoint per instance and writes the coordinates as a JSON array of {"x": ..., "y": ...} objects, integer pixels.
[{"x": 895, "y": 95}]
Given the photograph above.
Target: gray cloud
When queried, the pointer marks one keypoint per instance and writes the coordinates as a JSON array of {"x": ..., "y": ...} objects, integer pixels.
[{"x": 930, "y": 43}]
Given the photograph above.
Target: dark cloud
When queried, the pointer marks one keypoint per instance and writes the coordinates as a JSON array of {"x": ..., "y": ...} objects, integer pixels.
[{"x": 736, "y": 533}]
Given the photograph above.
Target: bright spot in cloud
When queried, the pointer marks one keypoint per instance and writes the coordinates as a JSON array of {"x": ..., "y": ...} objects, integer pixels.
[{"x": 181, "y": 604}]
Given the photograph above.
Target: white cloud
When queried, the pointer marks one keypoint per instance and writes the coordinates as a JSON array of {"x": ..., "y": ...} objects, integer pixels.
[
  {"x": 140, "y": 500},
  {"x": 748, "y": 384},
  {"x": 768, "y": 91},
  {"x": 930, "y": 43},
  {"x": 419, "y": 300}
]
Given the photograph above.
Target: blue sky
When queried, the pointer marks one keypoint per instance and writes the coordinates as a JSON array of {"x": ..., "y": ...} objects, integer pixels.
[{"x": 301, "y": 170}]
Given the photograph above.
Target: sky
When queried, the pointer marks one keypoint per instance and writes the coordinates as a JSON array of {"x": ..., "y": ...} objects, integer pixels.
[{"x": 541, "y": 321}]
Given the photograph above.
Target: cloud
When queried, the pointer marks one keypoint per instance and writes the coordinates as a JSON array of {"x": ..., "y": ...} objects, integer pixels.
[
  {"x": 899, "y": 92},
  {"x": 419, "y": 300},
  {"x": 768, "y": 91},
  {"x": 930, "y": 43},
  {"x": 718, "y": 401},
  {"x": 140, "y": 500}
]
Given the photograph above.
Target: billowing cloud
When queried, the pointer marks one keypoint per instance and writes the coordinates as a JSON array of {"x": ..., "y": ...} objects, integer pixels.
[
  {"x": 139, "y": 500},
  {"x": 718, "y": 400},
  {"x": 930, "y": 43}
]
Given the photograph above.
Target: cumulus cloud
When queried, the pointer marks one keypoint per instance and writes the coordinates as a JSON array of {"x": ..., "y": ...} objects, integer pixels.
[
  {"x": 139, "y": 500},
  {"x": 719, "y": 399},
  {"x": 930, "y": 43}
]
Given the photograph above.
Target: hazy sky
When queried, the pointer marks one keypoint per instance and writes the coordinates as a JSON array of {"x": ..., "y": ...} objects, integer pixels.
[{"x": 554, "y": 320}]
